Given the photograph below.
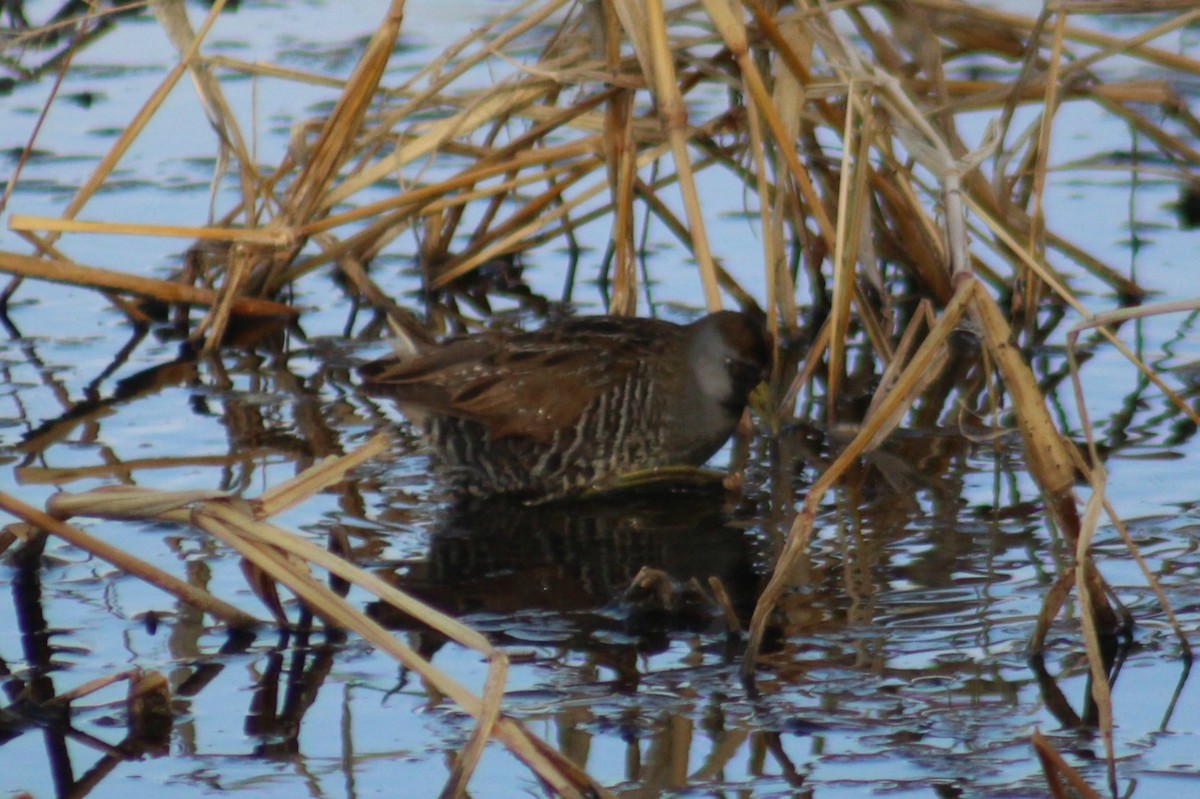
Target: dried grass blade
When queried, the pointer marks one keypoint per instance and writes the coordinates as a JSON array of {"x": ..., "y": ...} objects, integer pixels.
[
  {"x": 129, "y": 564},
  {"x": 131, "y": 131},
  {"x": 271, "y": 237},
  {"x": 306, "y": 197},
  {"x": 732, "y": 30},
  {"x": 888, "y": 412},
  {"x": 316, "y": 478},
  {"x": 1054, "y": 766},
  {"x": 1048, "y": 459},
  {"x": 673, "y": 115},
  {"x": 131, "y": 502},
  {"x": 165, "y": 291},
  {"x": 238, "y": 531},
  {"x": 1095, "y": 607}
]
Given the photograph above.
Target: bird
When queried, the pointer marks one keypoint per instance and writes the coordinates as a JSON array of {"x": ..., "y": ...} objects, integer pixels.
[{"x": 558, "y": 411}]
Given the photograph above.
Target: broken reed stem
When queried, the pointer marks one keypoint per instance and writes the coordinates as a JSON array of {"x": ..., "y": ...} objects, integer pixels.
[
  {"x": 165, "y": 291},
  {"x": 1054, "y": 767},
  {"x": 673, "y": 115},
  {"x": 1094, "y": 608},
  {"x": 1095, "y": 464},
  {"x": 276, "y": 553},
  {"x": 122, "y": 560},
  {"x": 316, "y": 478},
  {"x": 270, "y": 237},
  {"x": 888, "y": 412},
  {"x": 131, "y": 131},
  {"x": 1005, "y": 235}
]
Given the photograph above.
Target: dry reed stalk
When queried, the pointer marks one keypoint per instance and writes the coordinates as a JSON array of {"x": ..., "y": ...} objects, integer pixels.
[
  {"x": 851, "y": 216},
  {"x": 1050, "y": 461},
  {"x": 531, "y": 221},
  {"x": 259, "y": 69},
  {"x": 672, "y": 113},
  {"x": 923, "y": 319},
  {"x": 1047, "y": 455},
  {"x": 263, "y": 545},
  {"x": 131, "y": 131},
  {"x": 316, "y": 478},
  {"x": 789, "y": 96},
  {"x": 165, "y": 291},
  {"x": 731, "y": 28},
  {"x": 888, "y": 411},
  {"x": 278, "y": 556},
  {"x": 91, "y": 687},
  {"x": 264, "y": 237},
  {"x": 1005, "y": 235},
  {"x": 804, "y": 375},
  {"x": 972, "y": 27},
  {"x": 128, "y": 135},
  {"x": 619, "y": 154},
  {"x": 172, "y": 16},
  {"x": 128, "y": 563},
  {"x": 1094, "y": 608},
  {"x": 123, "y": 471},
  {"x": 446, "y": 191},
  {"x": 1035, "y": 236},
  {"x": 1017, "y": 23},
  {"x": 1108, "y": 318},
  {"x": 307, "y": 194},
  {"x": 18, "y": 39},
  {"x": 1056, "y": 769},
  {"x": 432, "y": 137}
]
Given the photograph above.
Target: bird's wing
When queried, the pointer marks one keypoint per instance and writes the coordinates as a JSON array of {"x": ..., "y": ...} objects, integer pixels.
[{"x": 528, "y": 385}]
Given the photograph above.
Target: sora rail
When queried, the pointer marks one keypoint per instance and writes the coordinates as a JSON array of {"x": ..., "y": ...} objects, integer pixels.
[{"x": 545, "y": 414}]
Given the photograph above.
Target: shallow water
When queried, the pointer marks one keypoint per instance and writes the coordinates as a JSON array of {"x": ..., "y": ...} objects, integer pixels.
[{"x": 898, "y": 668}]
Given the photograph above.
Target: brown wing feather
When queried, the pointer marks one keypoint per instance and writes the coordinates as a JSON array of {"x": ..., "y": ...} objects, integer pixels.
[
  {"x": 526, "y": 399},
  {"x": 529, "y": 384}
]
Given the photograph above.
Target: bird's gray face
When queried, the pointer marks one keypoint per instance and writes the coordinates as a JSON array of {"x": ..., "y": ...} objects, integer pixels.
[
  {"x": 711, "y": 358},
  {"x": 728, "y": 359}
]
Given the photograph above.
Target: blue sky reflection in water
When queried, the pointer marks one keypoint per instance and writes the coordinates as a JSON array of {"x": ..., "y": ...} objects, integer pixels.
[{"x": 905, "y": 667}]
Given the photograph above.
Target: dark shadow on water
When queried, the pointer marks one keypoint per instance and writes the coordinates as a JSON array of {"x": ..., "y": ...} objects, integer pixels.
[{"x": 580, "y": 558}]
